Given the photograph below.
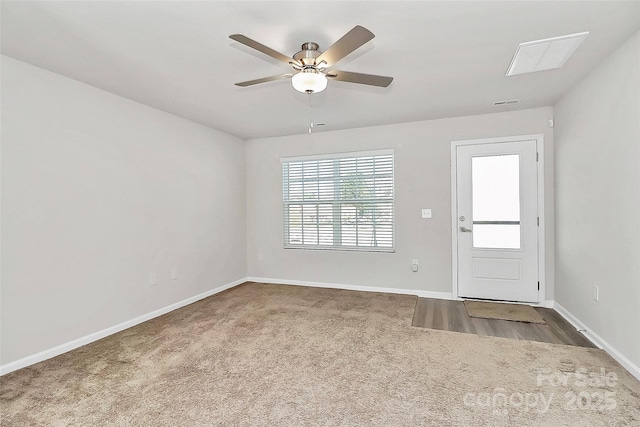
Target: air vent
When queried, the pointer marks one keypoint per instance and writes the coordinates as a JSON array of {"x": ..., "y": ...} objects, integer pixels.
[
  {"x": 544, "y": 54},
  {"x": 510, "y": 101}
]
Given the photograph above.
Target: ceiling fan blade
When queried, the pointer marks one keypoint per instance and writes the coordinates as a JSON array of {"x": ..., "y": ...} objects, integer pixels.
[
  {"x": 264, "y": 80},
  {"x": 355, "y": 38},
  {"x": 364, "y": 79},
  {"x": 262, "y": 48}
]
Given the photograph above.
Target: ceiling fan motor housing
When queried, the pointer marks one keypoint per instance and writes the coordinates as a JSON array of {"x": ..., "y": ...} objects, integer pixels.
[{"x": 308, "y": 54}]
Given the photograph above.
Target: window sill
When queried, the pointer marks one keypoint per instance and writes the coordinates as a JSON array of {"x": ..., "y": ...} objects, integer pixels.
[{"x": 342, "y": 248}]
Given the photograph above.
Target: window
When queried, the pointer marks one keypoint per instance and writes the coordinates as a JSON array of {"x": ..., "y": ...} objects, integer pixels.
[
  {"x": 343, "y": 201},
  {"x": 495, "y": 188}
]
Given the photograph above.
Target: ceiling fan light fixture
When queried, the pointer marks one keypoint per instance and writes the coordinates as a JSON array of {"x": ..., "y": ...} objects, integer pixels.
[{"x": 309, "y": 80}]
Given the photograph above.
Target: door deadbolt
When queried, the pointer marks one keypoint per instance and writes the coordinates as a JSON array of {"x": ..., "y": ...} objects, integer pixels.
[{"x": 462, "y": 218}]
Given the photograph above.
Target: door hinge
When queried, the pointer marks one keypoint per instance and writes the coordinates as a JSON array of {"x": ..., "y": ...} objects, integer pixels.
[
  {"x": 538, "y": 221},
  {"x": 536, "y": 156},
  {"x": 538, "y": 285}
]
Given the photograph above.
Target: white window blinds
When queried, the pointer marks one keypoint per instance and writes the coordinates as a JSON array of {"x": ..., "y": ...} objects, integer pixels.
[{"x": 339, "y": 202}]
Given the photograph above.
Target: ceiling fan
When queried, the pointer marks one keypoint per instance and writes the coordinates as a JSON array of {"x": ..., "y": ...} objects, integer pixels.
[{"x": 312, "y": 67}]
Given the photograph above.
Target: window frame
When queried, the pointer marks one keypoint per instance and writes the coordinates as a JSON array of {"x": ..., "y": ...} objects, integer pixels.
[{"x": 335, "y": 204}]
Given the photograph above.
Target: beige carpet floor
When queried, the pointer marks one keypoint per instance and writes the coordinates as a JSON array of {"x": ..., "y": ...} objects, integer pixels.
[{"x": 283, "y": 355}]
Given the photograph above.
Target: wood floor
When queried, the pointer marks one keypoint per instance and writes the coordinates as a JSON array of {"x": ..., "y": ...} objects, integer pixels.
[{"x": 452, "y": 316}]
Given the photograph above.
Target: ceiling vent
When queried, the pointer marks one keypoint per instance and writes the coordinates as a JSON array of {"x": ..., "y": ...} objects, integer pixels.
[
  {"x": 544, "y": 54},
  {"x": 510, "y": 101}
]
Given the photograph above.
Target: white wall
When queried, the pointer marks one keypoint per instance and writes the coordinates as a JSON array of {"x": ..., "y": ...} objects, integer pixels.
[
  {"x": 99, "y": 191},
  {"x": 597, "y": 137},
  {"x": 423, "y": 180}
]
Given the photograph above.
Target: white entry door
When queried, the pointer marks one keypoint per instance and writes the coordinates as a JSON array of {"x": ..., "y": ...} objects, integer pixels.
[{"x": 497, "y": 220}]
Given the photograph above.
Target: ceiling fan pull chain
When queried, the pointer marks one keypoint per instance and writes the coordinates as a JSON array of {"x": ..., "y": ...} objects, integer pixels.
[{"x": 310, "y": 114}]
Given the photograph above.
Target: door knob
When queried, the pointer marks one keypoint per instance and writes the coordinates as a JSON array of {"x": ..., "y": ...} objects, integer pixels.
[{"x": 465, "y": 230}]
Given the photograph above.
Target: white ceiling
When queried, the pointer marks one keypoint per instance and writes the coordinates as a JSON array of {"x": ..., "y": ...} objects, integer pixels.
[{"x": 448, "y": 58}]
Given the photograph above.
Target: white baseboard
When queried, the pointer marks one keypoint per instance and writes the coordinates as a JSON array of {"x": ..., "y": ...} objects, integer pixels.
[
  {"x": 63, "y": 348},
  {"x": 547, "y": 303},
  {"x": 423, "y": 294},
  {"x": 598, "y": 341}
]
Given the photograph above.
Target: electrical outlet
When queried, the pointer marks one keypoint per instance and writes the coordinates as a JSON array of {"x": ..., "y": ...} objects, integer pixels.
[
  {"x": 153, "y": 280},
  {"x": 174, "y": 273},
  {"x": 426, "y": 213},
  {"x": 414, "y": 265},
  {"x": 596, "y": 293}
]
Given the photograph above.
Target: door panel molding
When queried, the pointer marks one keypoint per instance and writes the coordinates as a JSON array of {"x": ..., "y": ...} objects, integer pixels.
[
  {"x": 496, "y": 268},
  {"x": 539, "y": 138}
]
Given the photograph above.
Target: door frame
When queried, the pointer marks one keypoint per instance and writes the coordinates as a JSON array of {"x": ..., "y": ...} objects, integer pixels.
[{"x": 539, "y": 138}]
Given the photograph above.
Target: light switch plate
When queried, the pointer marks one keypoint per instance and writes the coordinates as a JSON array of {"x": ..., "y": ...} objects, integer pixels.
[{"x": 426, "y": 213}]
